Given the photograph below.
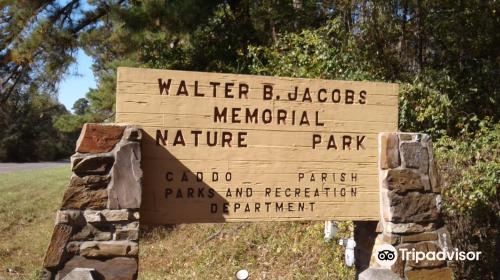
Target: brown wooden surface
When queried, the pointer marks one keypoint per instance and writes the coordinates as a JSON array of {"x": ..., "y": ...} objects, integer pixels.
[{"x": 275, "y": 153}]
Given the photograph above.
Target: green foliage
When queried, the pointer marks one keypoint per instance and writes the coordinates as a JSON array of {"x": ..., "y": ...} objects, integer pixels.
[
  {"x": 26, "y": 131},
  {"x": 80, "y": 106},
  {"x": 325, "y": 53},
  {"x": 470, "y": 178}
]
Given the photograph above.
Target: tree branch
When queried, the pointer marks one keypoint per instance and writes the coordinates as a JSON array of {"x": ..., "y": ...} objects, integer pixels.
[
  {"x": 4, "y": 100},
  {"x": 97, "y": 15}
]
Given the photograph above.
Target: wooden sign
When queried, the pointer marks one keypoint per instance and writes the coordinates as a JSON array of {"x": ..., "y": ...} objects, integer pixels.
[{"x": 222, "y": 147}]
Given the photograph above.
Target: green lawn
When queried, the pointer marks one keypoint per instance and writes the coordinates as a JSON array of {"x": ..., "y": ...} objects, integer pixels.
[
  {"x": 28, "y": 204},
  {"x": 288, "y": 250}
]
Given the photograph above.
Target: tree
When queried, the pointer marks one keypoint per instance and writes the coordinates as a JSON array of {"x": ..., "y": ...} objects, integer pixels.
[
  {"x": 80, "y": 106},
  {"x": 40, "y": 39}
]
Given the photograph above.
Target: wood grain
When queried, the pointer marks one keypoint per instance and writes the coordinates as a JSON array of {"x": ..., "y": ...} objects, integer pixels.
[{"x": 300, "y": 167}]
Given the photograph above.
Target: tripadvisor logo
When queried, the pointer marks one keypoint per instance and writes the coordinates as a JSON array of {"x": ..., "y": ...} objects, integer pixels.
[{"x": 386, "y": 255}]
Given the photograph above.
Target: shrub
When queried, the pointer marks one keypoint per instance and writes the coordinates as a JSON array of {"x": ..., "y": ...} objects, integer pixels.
[{"x": 470, "y": 179}]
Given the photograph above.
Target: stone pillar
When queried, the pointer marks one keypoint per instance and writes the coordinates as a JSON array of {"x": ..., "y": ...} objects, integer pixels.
[
  {"x": 97, "y": 225},
  {"x": 410, "y": 206}
]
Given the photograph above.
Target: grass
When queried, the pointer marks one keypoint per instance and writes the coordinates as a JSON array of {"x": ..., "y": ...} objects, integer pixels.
[
  {"x": 287, "y": 250},
  {"x": 28, "y": 204}
]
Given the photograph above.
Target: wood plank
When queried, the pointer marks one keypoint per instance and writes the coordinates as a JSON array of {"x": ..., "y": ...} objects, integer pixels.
[{"x": 276, "y": 156}]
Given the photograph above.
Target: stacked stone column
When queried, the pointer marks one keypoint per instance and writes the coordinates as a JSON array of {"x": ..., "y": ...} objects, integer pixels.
[
  {"x": 410, "y": 205},
  {"x": 97, "y": 225}
]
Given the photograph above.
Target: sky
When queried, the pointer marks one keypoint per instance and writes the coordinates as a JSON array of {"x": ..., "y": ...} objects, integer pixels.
[{"x": 75, "y": 87}]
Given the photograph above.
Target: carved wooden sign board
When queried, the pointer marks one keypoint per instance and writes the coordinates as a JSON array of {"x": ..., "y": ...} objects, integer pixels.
[{"x": 223, "y": 147}]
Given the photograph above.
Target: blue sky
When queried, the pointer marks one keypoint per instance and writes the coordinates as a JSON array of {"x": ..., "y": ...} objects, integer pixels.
[{"x": 75, "y": 87}]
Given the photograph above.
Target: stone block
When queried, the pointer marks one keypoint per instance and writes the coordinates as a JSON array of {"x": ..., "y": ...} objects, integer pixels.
[
  {"x": 91, "y": 233},
  {"x": 132, "y": 225},
  {"x": 378, "y": 274},
  {"x": 115, "y": 215},
  {"x": 426, "y": 236},
  {"x": 389, "y": 152},
  {"x": 424, "y": 163},
  {"x": 409, "y": 227},
  {"x": 386, "y": 238},
  {"x": 113, "y": 269},
  {"x": 412, "y": 154},
  {"x": 444, "y": 239},
  {"x": 90, "y": 181},
  {"x": 62, "y": 217},
  {"x": 433, "y": 174},
  {"x": 57, "y": 245},
  {"x": 425, "y": 263},
  {"x": 136, "y": 215},
  {"x": 125, "y": 188},
  {"x": 128, "y": 234},
  {"x": 98, "y": 138},
  {"x": 91, "y": 164},
  {"x": 399, "y": 266},
  {"x": 425, "y": 274},
  {"x": 45, "y": 274},
  {"x": 82, "y": 198},
  {"x": 427, "y": 183},
  {"x": 73, "y": 247},
  {"x": 77, "y": 219},
  {"x": 92, "y": 216},
  {"x": 80, "y": 274},
  {"x": 109, "y": 249},
  {"x": 405, "y": 137},
  {"x": 132, "y": 134},
  {"x": 413, "y": 207},
  {"x": 402, "y": 181}
]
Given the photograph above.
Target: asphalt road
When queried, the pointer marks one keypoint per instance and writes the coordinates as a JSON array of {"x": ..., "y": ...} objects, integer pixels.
[{"x": 12, "y": 167}]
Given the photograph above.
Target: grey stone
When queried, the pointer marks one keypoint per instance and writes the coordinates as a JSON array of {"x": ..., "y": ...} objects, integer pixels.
[
  {"x": 113, "y": 269},
  {"x": 73, "y": 248},
  {"x": 409, "y": 227},
  {"x": 132, "y": 134},
  {"x": 45, "y": 274},
  {"x": 426, "y": 236},
  {"x": 378, "y": 274},
  {"x": 89, "y": 233},
  {"x": 80, "y": 274},
  {"x": 402, "y": 181},
  {"x": 125, "y": 188},
  {"x": 115, "y": 215},
  {"x": 412, "y": 154},
  {"x": 413, "y": 207},
  {"x": 433, "y": 174},
  {"x": 444, "y": 239},
  {"x": 91, "y": 163},
  {"x": 405, "y": 137},
  {"x": 425, "y": 263},
  {"x": 129, "y": 234},
  {"x": 426, "y": 182},
  {"x": 424, "y": 162},
  {"x": 108, "y": 249},
  {"x": 92, "y": 216}
]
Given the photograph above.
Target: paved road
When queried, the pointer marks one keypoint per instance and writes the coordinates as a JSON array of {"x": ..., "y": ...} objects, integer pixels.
[{"x": 10, "y": 167}]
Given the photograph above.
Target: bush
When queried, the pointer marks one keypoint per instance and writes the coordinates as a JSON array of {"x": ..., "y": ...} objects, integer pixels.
[{"x": 470, "y": 179}]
